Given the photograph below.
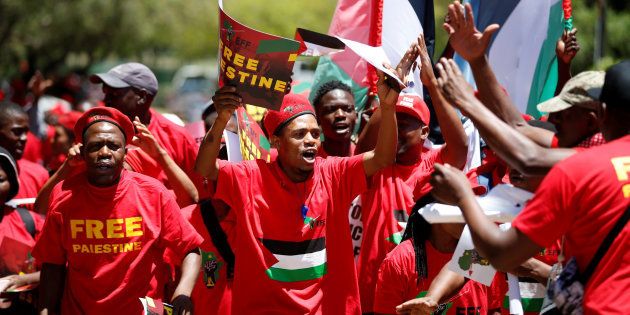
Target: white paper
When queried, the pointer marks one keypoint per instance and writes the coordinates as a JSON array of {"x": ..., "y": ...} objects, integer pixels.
[
  {"x": 233, "y": 144},
  {"x": 373, "y": 55},
  {"x": 502, "y": 204},
  {"x": 467, "y": 262}
]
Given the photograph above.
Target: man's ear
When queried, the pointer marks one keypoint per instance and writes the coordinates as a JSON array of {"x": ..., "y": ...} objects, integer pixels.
[
  {"x": 424, "y": 132},
  {"x": 274, "y": 141}
]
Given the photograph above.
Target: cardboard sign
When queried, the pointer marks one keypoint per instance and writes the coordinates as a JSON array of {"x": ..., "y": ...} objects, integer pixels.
[
  {"x": 468, "y": 262},
  {"x": 155, "y": 307},
  {"x": 254, "y": 144},
  {"x": 257, "y": 63}
]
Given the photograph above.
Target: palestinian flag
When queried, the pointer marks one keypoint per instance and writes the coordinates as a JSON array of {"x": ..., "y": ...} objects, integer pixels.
[
  {"x": 522, "y": 53},
  {"x": 296, "y": 261},
  {"x": 392, "y": 24}
]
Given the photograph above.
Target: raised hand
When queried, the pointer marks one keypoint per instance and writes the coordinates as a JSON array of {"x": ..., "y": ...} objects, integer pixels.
[
  {"x": 567, "y": 46},
  {"x": 464, "y": 37},
  {"x": 421, "y": 306},
  {"x": 144, "y": 140},
  {"x": 74, "y": 158},
  {"x": 388, "y": 88},
  {"x": 426, "y": 66},
  {"x": 450, "y": 185},
  {"x": 451, "y": 82},
  {"x": 226, "y": 100}
]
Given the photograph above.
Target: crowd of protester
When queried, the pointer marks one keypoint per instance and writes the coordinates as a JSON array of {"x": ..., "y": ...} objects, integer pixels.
[{"x": 110, "y": 203}]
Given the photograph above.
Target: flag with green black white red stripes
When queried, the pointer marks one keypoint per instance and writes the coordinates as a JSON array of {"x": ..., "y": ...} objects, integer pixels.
[{"x": 296, "y": 261}]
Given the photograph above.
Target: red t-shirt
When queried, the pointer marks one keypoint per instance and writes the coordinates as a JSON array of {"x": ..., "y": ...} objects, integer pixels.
[
  {"x": 213, "y": 292},
  {"x": 323, "y": 154},
  {"x": 16, "y": 243},
  {"x": 179, "y": 145},
  {"x": 581, "y": 198},
  {"x": 397, "y": 282},
  {"x": 32, "y": 177},
  {"x": 293, "y": 247},
  {"x": 112, "y": 240},
  {"x": 386, "y": 207}
]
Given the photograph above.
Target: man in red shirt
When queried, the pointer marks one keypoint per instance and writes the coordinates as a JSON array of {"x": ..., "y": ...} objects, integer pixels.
[
  {"x": 107, "y": 229},
  {"x": 336, "y": 114},
  {"x": 131, "y": 88},
  {"x": 395, "y": 189},
  {"x": 581, "y": 198},
  {"x": 13, "y": 130},
  {"x": 293, "y": 245}
]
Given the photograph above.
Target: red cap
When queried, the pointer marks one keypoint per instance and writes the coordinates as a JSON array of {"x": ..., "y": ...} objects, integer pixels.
[
  {"x": 415, "y": 106},
  {"x": 70, "y": 119},
  {"x": 111, "y": 115},
  {"x": 293, "y": 105}
]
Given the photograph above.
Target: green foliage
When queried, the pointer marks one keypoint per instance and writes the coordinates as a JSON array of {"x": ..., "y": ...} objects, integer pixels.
[{"x": 52, "y": 34}]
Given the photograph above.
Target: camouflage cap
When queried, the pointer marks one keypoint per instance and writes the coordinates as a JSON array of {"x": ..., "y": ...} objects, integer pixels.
[{"x": 578, "y": 92}]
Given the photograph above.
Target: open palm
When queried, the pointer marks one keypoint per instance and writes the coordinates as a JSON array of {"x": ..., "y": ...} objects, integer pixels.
[{"x": 464, "y": 37}]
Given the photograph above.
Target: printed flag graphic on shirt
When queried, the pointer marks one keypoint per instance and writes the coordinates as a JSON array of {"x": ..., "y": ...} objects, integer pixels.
[
  {"x": 522, "y": 52},
  {"x": 392, "y": 24},
  {"x": 297, "y": 261}
]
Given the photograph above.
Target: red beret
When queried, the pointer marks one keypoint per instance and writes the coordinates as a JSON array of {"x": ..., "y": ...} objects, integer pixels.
[
  {"x": 415, "y": 106},
  {"x": 293, "y": 105},
  {"x": 108, "y": 114},
  {"x": 70, "y": 119}
]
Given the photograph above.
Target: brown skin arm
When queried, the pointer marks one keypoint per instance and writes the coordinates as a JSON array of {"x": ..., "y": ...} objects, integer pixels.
[
  {"x": 456, "y": 149},
  {"x": 185, "y": 191},
  {"x": 472, "y": 45},
  {"x": 190, "y": 271},
  {"x": 73, "y": 160},
  {"x": 517, "y": 150},
  {"x": 384, "y": 152},
  {"x": 226, "y": 100},
  {"x": 535, "y": 269},
  {"x": 566, "y": 49},
  {"x": 51, "y": 288},
  {"x": 367, "y": 138},
  {"x": 506, "y": 250},
  {"x": 446, "y": 284}
]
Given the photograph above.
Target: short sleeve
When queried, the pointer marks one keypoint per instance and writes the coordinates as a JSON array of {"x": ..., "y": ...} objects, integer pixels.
[
  {"x": 231, "y": 184},
  {"x": 49, "y": 247},
  {"x": 548, "y": 215},
  {"x": 177, "y": 234},
  {"x": 390, "y": 287}
]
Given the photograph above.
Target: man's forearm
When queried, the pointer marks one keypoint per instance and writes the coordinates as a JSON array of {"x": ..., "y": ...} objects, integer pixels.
[
  {"x": 190, "y": 271},
  {"x": 514, "y": 148},
  {"x": 41, "y": 202},
  {"x": 451, "y": 127},
  {"x": 185, "y": 190},
  {"x": 445, "y": 285},
  {"x": 504, "y": 249},
  {"x": 497, "y": 101},
  {"x": 51, "y": 288},
  {"x": 207, "y": 160},
  {"x": 384, "y": 153}
]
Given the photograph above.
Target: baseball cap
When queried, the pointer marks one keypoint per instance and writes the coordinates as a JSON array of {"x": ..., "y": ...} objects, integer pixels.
[
  {"x": 293, "y": 106},
  {"x": 130, "y": 74},
  {"x": 415, "y": 106},
  {"x": 578, "y": 91},
  {"x": 108, "y": 114},
  {"x": 616, "y": 90}
]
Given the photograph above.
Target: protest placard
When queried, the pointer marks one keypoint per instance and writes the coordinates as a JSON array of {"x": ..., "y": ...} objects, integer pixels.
[{"x": 257, "y": 63}]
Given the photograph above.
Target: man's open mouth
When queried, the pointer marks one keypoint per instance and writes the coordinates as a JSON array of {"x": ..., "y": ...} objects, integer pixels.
[{"x": 309, "y": 155}]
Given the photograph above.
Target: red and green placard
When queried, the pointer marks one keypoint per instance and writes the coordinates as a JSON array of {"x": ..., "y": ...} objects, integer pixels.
[{"x": 257, "y": 63}]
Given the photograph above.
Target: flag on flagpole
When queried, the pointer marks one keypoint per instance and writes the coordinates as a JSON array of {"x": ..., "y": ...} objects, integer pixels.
[
  {"x": 392, "y": 24},
  {"x": 522, "y": 52}
]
